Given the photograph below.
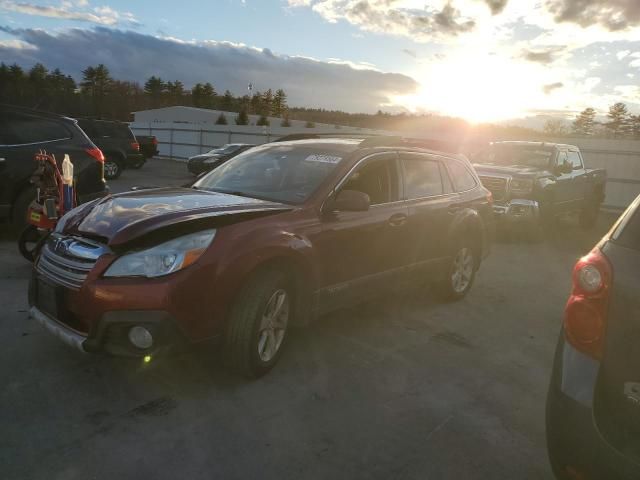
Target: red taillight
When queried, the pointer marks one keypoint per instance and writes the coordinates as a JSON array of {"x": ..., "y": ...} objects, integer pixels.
[
  {"x": 155, "y": 141},
  {"x": 135, "y": 146},
  {"x": 96, "y": 153},
  {"x": 585, "y": 315}
]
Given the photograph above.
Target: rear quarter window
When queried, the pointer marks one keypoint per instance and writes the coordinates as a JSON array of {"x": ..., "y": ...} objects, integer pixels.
[
  {"x": 463, "y": 179},
  {"x": 26, "y": 129}
]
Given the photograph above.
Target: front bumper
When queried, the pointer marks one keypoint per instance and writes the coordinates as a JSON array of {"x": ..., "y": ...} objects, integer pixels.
[
  {"x": 109, "y": 333},
  {"x": 517, "y": 211}
]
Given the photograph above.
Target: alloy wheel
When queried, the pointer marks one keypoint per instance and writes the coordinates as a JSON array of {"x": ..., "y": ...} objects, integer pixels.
[
  {"x": 273, "y": 325},
  {"x": 462, "y": 270}
]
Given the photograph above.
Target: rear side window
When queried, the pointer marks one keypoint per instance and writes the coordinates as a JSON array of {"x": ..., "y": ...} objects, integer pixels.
[
  {"x": 575, "y": 160},
  {"x": 463, "y": 180},
  {"x": 629, "y": 236},
  {"x": 422, "y": 177},
  {"x": 20, "y": 129}
]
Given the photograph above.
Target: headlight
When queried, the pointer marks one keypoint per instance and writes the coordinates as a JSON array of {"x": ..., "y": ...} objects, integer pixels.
[
  {"x": 162, "y": 259},
  {"x": 522, "y": 186}
]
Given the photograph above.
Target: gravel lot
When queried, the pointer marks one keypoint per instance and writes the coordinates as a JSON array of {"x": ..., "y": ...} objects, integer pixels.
[{"x": 403, "y": 388}]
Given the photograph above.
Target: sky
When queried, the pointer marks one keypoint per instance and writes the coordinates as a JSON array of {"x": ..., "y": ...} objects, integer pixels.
[{"x": 482, "y": 60}]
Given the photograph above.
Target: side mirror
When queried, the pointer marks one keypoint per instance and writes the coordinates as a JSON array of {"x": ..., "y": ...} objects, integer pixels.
[{"x": 350, "y": 201}]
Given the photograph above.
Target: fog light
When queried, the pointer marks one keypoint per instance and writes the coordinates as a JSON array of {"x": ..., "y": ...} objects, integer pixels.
[{"x": 140, "y": 337}]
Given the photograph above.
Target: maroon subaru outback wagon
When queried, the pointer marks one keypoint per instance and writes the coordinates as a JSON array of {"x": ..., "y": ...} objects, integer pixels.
[{"x": 274, "y": 237}]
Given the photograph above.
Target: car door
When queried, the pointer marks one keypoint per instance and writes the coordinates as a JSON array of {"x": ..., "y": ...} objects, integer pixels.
[
  {"x": 579, "y": 183},
  {"x": 563, "y": 196},
  {"x": 362, "y": 252},
  {"x": 430, "y": 199}
]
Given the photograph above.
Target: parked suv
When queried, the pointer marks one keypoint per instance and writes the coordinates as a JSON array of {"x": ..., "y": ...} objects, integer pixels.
[
  {"x": 23, "y": 133},
  {"x": 117, "y": 142},
  {"x": 534, "y": 182},
  {"x": 274, "y": 237},
  {"x": 593, "y": 405},
  {"x": 216, "y": 157}
]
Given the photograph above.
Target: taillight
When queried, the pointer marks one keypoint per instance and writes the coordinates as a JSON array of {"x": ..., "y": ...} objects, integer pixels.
[
  {"x": 96, "y": 153},
  {"x": 585, "y": 316},
  {"x": 135, "y": 146},
  {"x": 155, "y": 141}
]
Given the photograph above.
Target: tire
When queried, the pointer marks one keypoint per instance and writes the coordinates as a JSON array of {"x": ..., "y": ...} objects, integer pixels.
[
  {"x": 20, "y": 208},
  {"x": 139, "y": 165},
  {"x": 459, "y": 274},
  {"x": 30, "y": 242},
  {"x": 113, "y": 167},
  {"x": 255, "y": 338}
]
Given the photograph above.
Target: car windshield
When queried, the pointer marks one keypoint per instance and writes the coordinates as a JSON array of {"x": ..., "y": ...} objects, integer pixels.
[
  {"x": 282, "y": 173},
  {"x": 516, "y": 156}
]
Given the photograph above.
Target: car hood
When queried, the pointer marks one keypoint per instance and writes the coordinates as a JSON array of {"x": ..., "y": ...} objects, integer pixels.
[
  {"x": 124, "y": 217},
  {"x": 509, "y": 170}
]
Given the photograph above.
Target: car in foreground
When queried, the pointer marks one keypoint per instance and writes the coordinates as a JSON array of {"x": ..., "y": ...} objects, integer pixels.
[
  {"x": 593, "y": 404},
  {"x": 216, "y": 157},
  {"x": 536, "y": 182},
  {"x": 276, "y": 236},
  {"x": 23, "y": 133},
  {"x": 117, "y": 142}
]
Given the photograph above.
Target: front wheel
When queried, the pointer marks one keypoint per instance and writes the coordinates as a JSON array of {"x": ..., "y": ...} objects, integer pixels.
[
  {"x": 258, "y": 324},
  {"x": 460, "y": 274}
]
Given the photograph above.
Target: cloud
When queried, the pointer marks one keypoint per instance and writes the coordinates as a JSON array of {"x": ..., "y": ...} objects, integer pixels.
[
  {"x": 496, "y": 6},
  {"x": 101, "y": 15},
  {"x": 614, "y": 15},
  {"x": 135, "y": 57},
  {"x": 388, "y": 16},
  {"x": 548, "y": 89},
  {"x": 411, "y": 53},
  {"x": 544, "y": 56}
]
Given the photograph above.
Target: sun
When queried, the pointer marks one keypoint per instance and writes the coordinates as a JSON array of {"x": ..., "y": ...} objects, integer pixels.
[{"x": 478, "y": 87}]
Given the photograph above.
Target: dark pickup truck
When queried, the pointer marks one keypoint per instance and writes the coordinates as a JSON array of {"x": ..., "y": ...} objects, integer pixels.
[
  {"x": 534, "y": 182},
  {"x": 148, "y": 145}
]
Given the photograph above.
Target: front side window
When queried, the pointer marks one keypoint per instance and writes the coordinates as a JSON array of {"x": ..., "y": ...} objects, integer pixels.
[
  {"x": 282, "y": 173},
  {"x": 377, "y": 178},
  {"x": 422, "y": 177},
  {"x": 562, "y": 159},
  {"x": 463, "y": 180}
]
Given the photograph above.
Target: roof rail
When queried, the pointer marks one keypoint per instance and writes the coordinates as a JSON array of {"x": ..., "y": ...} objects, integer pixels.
[
  {"x": 307, "y": 136},
  {"x": 425, "y": 143}
]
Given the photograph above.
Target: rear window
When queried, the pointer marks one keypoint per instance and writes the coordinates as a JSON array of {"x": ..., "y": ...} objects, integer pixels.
[
  {"x": 462, "y": 177},
  {"x": 20, "y": 129},
  {"x": 629, "y": 235}
]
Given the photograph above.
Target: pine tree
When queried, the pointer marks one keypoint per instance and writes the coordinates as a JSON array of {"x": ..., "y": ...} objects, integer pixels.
[
  {"x": 263, "y": 121},
  {"x": 226, "y": 102},
  {"x": 285, "y": 121},
  {"x": 256, "y": 103},
  {"x": 618, "y": 123},
  {"x": 175, "y": 92},
  {"x": 222, "y": 120},
  {"x": 155, "y": 88},
  {"x": 279, "y": 106},
  {"x": 267, "y": 103},
  {"x": 585, "y": 122},
  {"x": 95, "y": 83},
  {"x": 634, "y": 124},
  {"x": 208, "y": 95},
  {"x": 242, "y": 118}
]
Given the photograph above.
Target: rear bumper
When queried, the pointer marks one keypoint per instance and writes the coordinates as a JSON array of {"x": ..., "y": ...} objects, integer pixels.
[
  {"x": 575, "y": 445},
  {"x": 134, "y": 159}
]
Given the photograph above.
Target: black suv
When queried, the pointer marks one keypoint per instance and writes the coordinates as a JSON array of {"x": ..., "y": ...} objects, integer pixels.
[
  {"x": 117, "y": 141},
  {"x": 23, "y": 133}
]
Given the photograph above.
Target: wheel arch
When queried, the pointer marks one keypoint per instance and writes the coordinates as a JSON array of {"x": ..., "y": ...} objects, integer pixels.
[{"x": 468, "y": 224}]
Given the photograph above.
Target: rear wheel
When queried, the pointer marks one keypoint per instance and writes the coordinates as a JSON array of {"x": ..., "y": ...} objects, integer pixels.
[
  {"x": 30, "y": 242},
  {"x": 460, "y": 274},
  {"x": 112, "y": 167},
  {"x": 258, "y": 324}
]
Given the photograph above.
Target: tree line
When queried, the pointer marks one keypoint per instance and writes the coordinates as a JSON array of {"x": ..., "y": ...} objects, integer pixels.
[
  {"x": 100, "y": 95},
  {"x": 620, "y": 124}
]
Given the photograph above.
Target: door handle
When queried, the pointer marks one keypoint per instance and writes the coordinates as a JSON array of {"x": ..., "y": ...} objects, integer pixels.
[{"x": 397, "y": 219}]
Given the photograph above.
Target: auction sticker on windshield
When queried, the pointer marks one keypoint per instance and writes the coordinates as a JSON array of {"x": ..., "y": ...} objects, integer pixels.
[{"x": 323, "y": 159}]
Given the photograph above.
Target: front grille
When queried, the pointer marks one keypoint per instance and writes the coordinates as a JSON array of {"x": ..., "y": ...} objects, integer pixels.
[
  {"x": 68, "y": 260},
  {"x": 496, "y": 185}
]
